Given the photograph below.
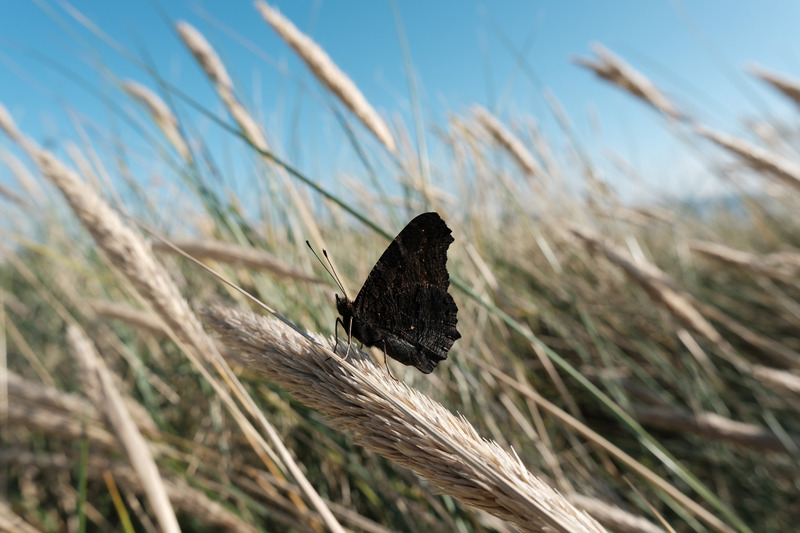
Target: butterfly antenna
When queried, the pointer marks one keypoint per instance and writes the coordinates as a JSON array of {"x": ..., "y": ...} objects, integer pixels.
[{"x": 331, "y": 271}]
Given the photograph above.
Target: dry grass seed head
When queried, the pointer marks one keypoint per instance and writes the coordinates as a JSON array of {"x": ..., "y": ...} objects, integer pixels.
[
  {"x": 161, "y": 114},
  {"x": 614, "y": 70},
  {"x": 398, "y": 422},
  {"x": 509, "y": 141},
  {"x": 215, "y": 69},
  {"x": 210, "y": 62},
  {"x": 205, "y": 54},
  {"x": 790, "y": 88},
  {"x": 757, "y": 158},
  {"x": 329, "y": 74}
]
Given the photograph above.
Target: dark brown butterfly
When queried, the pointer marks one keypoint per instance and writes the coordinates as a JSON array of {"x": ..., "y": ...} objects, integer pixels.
[{"x": 404, "y": 308}]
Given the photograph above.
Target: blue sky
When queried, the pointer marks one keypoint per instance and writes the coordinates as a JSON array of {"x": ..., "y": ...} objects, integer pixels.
[{"x": 461, "y": 54}]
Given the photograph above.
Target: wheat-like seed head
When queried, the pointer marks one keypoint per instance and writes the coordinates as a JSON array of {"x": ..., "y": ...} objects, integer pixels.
[
  {"x": 508, "y": 140},
  {"x": 329, "y": 74},
  {"x": 790, "y": 88},
  {"x": 205, "y": 55},
  {"x": 398, "y": 422},
  {"x": 162, "y": 115},
  {"x": 613, "y": 69},
  {"x": 8, "y": 125},
  {"x": 215, "y": 69},
  {"x": 712, "y": 426},
  {"x": 780, "y": 266},
  {"x": 210, "y": 62},
  {"x": 757, "y": 158}
]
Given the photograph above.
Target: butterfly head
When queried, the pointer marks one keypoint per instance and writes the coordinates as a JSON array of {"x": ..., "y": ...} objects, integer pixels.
[
  {"x": 344, "y": 306},
  {"x": 347, "y": 310}
]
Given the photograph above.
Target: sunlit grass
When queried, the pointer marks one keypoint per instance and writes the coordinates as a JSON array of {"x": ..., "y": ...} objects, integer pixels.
[{"x": 640, "y": 361}]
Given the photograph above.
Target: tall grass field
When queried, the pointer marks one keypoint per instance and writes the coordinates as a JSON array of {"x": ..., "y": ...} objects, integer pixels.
[{"x": 623, "y": 366}]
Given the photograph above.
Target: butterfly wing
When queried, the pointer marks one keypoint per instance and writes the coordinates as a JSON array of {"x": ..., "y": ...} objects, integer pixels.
[{"x": 404, "y": 307}]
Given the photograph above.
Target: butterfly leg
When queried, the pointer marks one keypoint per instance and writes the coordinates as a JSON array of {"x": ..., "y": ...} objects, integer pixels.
[
  {"x": 386, "y": 363},
  {"x": 336, "y": 333},
  {"x": 349, "y": 338}
]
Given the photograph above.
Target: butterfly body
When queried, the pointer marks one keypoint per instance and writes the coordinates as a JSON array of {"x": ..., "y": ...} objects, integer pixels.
[{"x": 404, "y": 308}]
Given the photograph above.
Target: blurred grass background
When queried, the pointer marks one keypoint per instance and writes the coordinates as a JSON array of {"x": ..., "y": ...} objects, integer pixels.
[{"x": 670, "y": 330}]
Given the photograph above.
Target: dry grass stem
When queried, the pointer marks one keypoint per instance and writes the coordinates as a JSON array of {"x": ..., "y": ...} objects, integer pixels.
[
  {"x": 129, "y": 253},
  {"x": 509, "y": 141},
  {"x": 730, "y": 256},
  {"x": 49, "y": 398},
  {"x": 398, "y": 422},
  {"x": 48, "y": 410},
  {"x": 777, "y": 352},
  {"x": 612, "y": 517},
  {"x": 712, "y": 426},
  {"x": 23, "y": 175},
  {"x": 162, "y": 115},
  {"x": 607, "y": 446},
  {"x": 770, "y": 267},
  {"x": 215, "y": 70},
  {"x": 690, "y": 312},
  {"x": 778, "y": 379},
  {"x": 70, "y": 418},
  {"x": 614, "y": 70},
  {"x": 788, "y": 262},
  {"x": 784, "y": 267},
  {"x": 134, "y": 317},
  {"x": 108, "y": 400},
  {"x": 347, "y": 515},
  {"x": 13, "y": 197},
  {"x": 544, "y": 150},
  {"x": 680, "y": 316},
  {"x": 12, "y": 522},
  {"x": 757, "y": 158},
  {"x": 661, "y": 289},
  {"x": 329, "y": 74},
  {"x": 191, "y": 501},
  {"x": 233, "y": 254}
]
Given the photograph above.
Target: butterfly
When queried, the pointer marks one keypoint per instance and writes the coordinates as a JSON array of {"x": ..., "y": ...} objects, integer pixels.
[{"x": 404, "y": 308}]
